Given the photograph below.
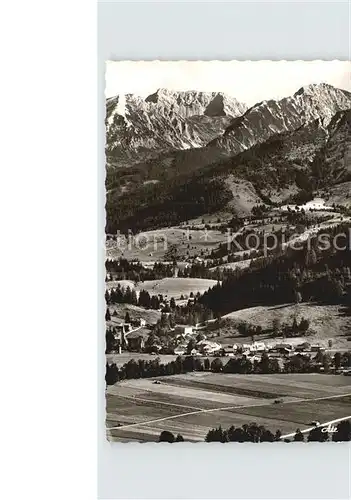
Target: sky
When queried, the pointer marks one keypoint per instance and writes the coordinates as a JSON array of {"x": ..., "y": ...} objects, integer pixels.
[{"x": 247, "y": 81}]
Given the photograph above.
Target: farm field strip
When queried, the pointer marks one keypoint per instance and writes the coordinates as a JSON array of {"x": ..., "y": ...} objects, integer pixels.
[
  {"x": 190, "y": 433},
  {"x": 225, "y": 409},
  {"x": 268, "y": 379},
  {"x": 301, "y": 414},
  {"x": 137, "y": 413},
  {"x": 133, "y": 398},
  {"x": 199, "y": 402},
  {"x": 188, "y": 392},
  {"x": 278, "y": 388},
  {"x": 196, "y": 428}
]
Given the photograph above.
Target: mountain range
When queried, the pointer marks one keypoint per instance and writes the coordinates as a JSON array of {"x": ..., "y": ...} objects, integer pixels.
[
  {"x": 175, "y": 155},
  {"x": 165, "y": 120}
]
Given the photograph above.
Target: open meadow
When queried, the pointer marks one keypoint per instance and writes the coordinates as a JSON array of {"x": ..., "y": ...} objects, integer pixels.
[
  {"x": 191, "y": 404},
  {"x": 153, "y": 245},
  {"x": 168, "y": 287},
  {"x": 326, "y": 322},
  {"x": 118, "y": 312}
]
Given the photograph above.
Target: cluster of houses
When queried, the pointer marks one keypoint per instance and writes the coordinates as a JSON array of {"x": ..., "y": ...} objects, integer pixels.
[
  {"x": 253, "y": 350},
  {"x": 315, "y": 204},
  {"x": 285, "y": 348},
  {"x": 202, "y": 348},
  {"x": 278, "y": 349},
  {"x": 134, "y": 335}
]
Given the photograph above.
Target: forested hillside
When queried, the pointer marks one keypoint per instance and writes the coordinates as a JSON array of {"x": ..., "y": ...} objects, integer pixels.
[
  {"x": 321, "y": 275},
  {"x": 307, "y": 159}
]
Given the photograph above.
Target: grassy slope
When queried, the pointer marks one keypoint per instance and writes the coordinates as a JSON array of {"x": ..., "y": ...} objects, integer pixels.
[
  {"x": 150, "y": 245},
  {"x": 135, "y": 312},
  {"x": 174, "y": 287},
  {"x": 170, "y": 287},
  {"x": 326, "y": 322},
  {"x": 341, "y": 194}
]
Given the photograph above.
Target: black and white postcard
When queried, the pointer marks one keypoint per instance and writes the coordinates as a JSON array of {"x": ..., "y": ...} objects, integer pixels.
[{"x": 228, "y": 251}]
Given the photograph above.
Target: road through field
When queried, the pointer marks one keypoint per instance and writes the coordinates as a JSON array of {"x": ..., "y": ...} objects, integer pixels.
[
  {"x": 325, "y": 424},
  {"x": 172, "y": 417}
]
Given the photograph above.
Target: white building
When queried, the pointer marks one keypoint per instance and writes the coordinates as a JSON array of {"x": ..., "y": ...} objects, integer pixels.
[
  {"x": 254, "y": 347},
  {"x": 207, "y": 347},
  {"x": 183, "y": 329},
  {"x": 180, "y": 350},
  {"x": 258, "y": 347}
]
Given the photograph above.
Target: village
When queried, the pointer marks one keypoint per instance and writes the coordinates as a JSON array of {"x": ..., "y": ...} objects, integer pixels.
[{"x": 136, "y": 336}]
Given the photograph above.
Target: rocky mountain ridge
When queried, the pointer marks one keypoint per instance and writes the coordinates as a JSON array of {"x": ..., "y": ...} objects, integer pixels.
[
  {"x": 267, "y": 118},
  {"x": 257, "y": 125},
  {"x": 166, "y": 120}
]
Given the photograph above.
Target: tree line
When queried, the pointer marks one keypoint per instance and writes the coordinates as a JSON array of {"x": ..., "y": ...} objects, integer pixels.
[
  {"x": 296, "y": 329},
  {"x": 298, "y": 363},
  {"x": 259, "y": 434},
  {"x": 254, "y": 433},
  {"x": 192, "y": 312},
  {"x": 121, "y": 269}
]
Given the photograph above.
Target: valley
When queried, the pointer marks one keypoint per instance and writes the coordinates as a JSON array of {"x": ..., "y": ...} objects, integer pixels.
[{"x": 228, "y": 262}]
